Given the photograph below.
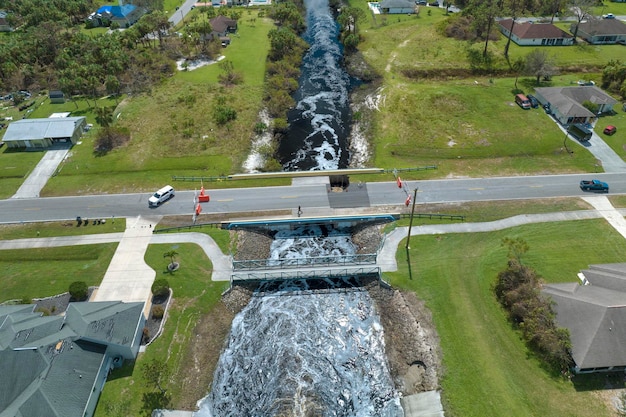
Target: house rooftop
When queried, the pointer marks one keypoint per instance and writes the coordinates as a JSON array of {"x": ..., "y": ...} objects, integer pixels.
[
  {"x": 603, "y": 27},
  {"x": 569, "y": 99},
  {"x": 31, "y": 129},
  {"x": 529, "y": 30},
  {"x": 595, "y": 316}
]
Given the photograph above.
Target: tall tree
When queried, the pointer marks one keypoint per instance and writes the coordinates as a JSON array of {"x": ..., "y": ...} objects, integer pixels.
[
  {"x": 156, "y": 373},
  {"x": 514, "y": 8},
  {"x": 540, "y": 64},
  {"x": 580, "y": 10},
  {"x": 483, "y": 13}
]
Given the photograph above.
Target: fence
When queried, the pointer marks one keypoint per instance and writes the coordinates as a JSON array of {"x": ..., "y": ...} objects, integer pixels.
[
  {"x": 433, "y": 216},
  {"x": 311, "y": 262}
]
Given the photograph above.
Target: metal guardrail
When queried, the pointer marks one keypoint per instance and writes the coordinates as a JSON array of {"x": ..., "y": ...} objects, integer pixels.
[
  {"x": 304, "y": 274},
  {"x": 200, "y": 178},
  {"x": 312, "y": 262},
  {"x": 188, "y": 227},
  {"x": 424, "y": 168},
  {"x": 433, "y": 216}
]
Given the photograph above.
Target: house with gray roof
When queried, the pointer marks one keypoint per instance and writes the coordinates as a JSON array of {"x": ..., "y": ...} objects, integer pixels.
[
  {"x": 397, "y": 6},
  {"x": 595, "y": 315},
  {"x": 43, "y": 133},
  {"x": 566, "y": 103},
  {"x": 535, "y": 34},
  {"x": 57, "y": 365},
  {"x": 601, "y": 31}
]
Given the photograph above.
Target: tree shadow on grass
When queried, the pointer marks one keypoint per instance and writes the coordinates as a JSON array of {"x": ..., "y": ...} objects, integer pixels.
[{"x": 155, "y": 401}]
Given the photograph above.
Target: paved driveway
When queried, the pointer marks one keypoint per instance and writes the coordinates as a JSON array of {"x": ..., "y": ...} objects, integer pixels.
[{"x": 32, "y": 186}]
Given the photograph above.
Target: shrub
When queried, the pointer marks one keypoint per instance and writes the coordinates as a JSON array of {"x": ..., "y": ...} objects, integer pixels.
[
  {"x": 79, "y": 290},
  {"x": 145, "y": 337},
  {"x": 160, "y": 288},
  {"x": 158, "y": 312}
]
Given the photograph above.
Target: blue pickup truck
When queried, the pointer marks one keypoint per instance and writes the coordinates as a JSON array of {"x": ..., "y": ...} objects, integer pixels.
[{"x": 594, "y": 185}]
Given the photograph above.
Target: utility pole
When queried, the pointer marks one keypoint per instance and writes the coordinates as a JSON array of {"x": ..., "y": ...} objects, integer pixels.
[{"x": 408, "y": 237}]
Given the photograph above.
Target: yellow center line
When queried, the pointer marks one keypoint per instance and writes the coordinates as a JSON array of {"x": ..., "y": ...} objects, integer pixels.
[
  {"x": 226, "y": 199},
  {"x": 290, "y": 196},
  {"x": 473, "y": 189},
  {"x": 536, "y": 186},
  {"x": 33, "y": 209}
]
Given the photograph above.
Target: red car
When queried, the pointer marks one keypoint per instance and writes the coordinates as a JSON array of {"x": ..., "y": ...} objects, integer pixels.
[{"x": 610, "y": 130}]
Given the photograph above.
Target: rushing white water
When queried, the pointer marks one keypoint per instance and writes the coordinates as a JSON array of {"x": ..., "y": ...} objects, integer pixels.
[
  {"x": 295, "y": 351},
  {"x": 317, "y": 138}
]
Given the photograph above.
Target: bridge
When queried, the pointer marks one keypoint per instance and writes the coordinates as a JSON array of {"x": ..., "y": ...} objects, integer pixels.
[{"x": 309, "y": 268}]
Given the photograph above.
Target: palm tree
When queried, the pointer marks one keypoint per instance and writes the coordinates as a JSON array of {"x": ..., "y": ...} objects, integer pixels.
[{"x": 173, "y": 264}]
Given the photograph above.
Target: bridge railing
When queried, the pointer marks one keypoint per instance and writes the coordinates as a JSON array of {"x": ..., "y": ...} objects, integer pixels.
[
  {"x": 433, "y": 216},
  {"x": 318, "y": 273},
  {"x": 312, "y": 262}
]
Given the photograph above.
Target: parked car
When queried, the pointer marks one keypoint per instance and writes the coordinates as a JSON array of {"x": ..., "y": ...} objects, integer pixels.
[
  {"x": 547, "y": 109},
  {"x": 421, "y": 2},
  {"x": 522, "y": 101},
  {"x": 608, "y": 16},
  {"x": 583, "y": 82},
  {"x": 609, "y": 130},
  {"x": 534, "y": 103},
  {"x": 434, "y": 4},
  {"x": 594, "y": 185}
]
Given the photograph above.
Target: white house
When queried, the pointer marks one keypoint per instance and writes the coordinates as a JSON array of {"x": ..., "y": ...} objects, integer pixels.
[
  {"x": 566, "y": 103},
  {"x": 535, "y": 34},
  {"x": 43, "y": 133},
  {"x": 397, "y": 6}
]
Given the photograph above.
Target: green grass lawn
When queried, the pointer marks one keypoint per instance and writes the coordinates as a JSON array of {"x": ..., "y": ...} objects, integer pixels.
[
  {"x": 51, "y": 229},
  {"x": 469, "y": 127},
  {"x": 488, "y": 369},
  {"x": 27, "y": 274}
]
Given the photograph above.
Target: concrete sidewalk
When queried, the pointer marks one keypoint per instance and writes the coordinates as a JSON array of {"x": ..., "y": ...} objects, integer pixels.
[
  {"x": 129, "y": 278},
  {"x": 387, "y": 256}
]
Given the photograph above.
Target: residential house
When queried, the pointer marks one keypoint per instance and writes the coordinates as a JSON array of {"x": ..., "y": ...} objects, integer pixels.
[
  {"x": 4, "y": 23},
  {"x": 222, "y": 26},
  {"x": 397, "y": 6},
  {"x": 125, "y": 15},
  {"x": 42, "y": 133},
  {"x": 595, "y": 315},
  {"x": 566, "y": 103},
  {"x": 56, "y": 366},
  {"x": 601, "y": 31},
  {"x": 535, "y": 34}
]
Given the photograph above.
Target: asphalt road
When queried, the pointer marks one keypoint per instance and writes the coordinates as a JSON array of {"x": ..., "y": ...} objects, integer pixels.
[{"x": 306, "y": 196}]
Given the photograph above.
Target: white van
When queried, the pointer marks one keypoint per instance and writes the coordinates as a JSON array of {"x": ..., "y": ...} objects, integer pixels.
[{"x": 161, "y": 196}]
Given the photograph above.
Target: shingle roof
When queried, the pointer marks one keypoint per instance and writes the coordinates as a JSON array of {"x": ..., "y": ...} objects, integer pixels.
[
  {"x": 49, "y": 364},
  {"x": 221, "y": 23},
  {"x": 397, "y": 4},
  {"x": 603, "y": 27},
  {"x": 568, "y": 100},
  {"x": 107, "y": 321},
  {"x": 31, "y": 129},
  {"x": 529, "y": 30},
  {"x": 595, "y": 316}
]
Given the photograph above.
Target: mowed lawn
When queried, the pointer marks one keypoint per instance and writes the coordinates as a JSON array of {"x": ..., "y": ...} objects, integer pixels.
[
  {"x": 488, "y": 371},
  {"x": 44, "y": 272},
  {"x": 469, "y": 128}
]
